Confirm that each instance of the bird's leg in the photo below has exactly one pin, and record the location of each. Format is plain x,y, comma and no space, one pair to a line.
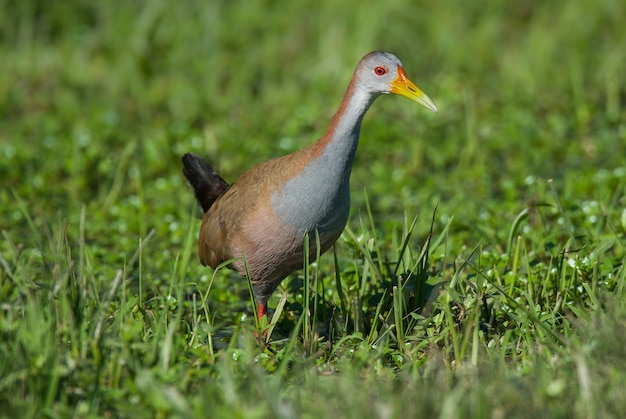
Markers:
261,312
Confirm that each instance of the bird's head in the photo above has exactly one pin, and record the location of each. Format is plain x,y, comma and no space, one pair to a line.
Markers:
382,73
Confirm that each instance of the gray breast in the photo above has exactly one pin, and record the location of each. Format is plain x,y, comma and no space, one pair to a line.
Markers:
317,198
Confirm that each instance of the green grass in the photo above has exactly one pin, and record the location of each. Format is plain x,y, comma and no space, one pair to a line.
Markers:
482,272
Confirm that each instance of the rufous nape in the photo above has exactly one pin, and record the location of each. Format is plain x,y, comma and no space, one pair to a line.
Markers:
265,215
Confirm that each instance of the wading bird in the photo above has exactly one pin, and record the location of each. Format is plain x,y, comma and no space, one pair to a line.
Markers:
264,216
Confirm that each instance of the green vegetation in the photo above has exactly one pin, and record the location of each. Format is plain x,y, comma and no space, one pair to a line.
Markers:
482,273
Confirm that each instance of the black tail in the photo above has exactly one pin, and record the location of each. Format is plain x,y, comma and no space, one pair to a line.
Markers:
207,185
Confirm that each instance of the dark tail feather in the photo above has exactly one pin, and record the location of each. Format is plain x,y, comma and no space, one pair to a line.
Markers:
207,185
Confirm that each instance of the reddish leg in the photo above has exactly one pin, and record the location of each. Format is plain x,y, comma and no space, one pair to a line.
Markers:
261,310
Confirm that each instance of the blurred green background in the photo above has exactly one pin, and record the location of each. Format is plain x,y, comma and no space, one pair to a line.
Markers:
100,99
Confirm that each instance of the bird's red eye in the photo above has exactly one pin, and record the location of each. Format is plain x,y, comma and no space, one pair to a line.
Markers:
380,71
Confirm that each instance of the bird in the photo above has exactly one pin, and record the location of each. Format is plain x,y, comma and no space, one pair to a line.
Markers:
258,223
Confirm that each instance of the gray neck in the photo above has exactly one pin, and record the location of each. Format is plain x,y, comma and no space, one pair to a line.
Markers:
340,150
319,197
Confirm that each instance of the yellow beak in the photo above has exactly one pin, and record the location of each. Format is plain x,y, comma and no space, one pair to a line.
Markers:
405,87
